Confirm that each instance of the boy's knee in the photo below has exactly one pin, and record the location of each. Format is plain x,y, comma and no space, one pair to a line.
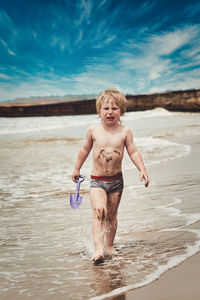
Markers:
100,213
111,216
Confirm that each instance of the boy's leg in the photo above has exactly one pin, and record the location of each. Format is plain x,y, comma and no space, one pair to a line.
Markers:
98,198
111,220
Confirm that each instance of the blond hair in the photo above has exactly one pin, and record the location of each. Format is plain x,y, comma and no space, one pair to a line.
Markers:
114,94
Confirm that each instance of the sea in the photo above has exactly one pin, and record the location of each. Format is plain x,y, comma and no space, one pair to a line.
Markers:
46,246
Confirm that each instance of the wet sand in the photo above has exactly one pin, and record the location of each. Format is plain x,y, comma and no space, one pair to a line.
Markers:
179,283
182,281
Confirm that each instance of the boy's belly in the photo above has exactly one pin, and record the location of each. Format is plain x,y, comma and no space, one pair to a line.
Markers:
107,162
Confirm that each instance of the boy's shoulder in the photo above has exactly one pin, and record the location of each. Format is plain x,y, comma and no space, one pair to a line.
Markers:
94,126
126,129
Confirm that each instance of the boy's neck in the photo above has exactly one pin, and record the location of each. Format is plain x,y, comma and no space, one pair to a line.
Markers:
110,127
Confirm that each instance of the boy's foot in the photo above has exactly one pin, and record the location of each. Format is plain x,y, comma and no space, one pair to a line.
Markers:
111,251
98,258
98,261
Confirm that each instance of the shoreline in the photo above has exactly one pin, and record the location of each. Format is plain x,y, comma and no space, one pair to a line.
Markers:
178,283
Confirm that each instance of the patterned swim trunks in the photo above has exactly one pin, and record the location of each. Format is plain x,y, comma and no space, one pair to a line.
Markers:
110,184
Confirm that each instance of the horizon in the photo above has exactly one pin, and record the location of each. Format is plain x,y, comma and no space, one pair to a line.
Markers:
80,48
85,96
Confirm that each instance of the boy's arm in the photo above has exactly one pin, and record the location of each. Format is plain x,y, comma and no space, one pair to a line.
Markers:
83,154
136,157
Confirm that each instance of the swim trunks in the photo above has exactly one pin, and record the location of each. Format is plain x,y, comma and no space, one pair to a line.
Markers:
110,184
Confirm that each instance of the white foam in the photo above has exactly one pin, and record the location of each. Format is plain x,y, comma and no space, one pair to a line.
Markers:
156,112
175,212
156,150
172,262
35,124
188,131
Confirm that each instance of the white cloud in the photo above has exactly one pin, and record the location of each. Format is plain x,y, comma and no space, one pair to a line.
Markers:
85,8
102,3
34,33
157,69
102,42
148,66
167,43
4,76
33,87
5,20
185,83
95,79
4,43
62,43
150,60
7,23
7,48
11,52
79,38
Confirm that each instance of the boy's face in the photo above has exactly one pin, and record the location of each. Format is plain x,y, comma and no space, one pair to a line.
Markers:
110,112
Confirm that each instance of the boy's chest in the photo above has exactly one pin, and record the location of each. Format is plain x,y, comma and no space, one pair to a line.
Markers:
109,140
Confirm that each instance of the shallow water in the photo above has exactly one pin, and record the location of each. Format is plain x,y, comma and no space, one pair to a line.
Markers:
45,246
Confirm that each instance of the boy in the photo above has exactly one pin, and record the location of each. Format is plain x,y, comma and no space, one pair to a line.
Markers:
108,140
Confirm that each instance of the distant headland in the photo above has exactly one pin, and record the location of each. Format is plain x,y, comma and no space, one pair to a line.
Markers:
185,101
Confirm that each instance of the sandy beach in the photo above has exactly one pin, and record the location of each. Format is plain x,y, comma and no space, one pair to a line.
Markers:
180,283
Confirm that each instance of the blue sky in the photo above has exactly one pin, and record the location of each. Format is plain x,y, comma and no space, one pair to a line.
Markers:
60,47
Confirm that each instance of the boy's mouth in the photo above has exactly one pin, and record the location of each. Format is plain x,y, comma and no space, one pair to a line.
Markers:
110,118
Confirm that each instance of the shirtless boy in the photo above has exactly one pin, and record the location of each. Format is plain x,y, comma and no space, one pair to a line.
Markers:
108,140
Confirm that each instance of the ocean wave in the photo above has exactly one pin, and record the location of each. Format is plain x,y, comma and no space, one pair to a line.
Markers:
40,124
157,150
153,113
176,212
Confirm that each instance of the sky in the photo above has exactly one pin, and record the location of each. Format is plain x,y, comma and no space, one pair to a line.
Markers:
63,47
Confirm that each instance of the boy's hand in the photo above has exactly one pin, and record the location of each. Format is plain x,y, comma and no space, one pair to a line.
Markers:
75,175
143,175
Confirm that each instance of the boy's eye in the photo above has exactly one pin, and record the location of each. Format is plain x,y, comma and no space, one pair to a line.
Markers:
113,108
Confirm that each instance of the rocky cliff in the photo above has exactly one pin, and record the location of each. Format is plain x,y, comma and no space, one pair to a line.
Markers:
48,109
175,101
